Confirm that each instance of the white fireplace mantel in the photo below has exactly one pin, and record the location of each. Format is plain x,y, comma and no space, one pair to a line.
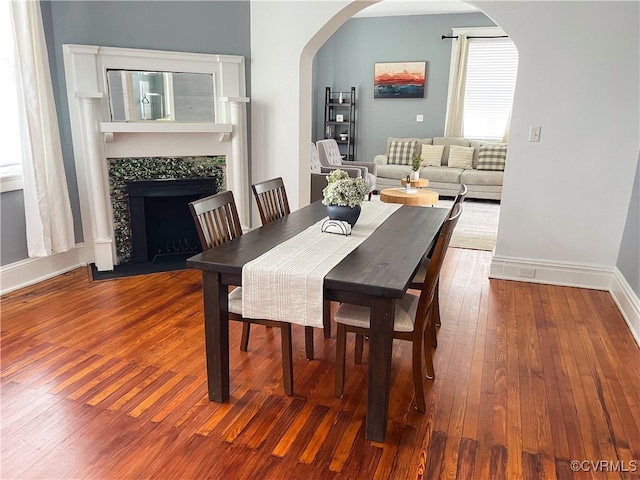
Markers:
96,137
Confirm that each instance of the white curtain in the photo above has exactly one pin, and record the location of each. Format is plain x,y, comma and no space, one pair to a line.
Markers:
46,198
457,84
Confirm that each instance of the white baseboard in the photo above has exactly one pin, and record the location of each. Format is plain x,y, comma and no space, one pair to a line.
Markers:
574,275
628,303
553,273
33,270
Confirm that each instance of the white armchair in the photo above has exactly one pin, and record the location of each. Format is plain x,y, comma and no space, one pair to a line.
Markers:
319,174
330,156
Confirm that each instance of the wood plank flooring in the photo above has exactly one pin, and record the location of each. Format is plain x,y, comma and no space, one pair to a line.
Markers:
107,380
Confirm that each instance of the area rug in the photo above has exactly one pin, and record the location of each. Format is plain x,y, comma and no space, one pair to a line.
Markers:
477,228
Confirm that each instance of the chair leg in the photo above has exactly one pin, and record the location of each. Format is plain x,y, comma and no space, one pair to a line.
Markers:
357,353
341,352
244,340
436,303
417,373
287,358
326,318
427,345
370,195
433,314
308,342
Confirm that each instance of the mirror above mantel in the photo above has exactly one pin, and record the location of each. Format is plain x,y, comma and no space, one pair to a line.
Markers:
143,96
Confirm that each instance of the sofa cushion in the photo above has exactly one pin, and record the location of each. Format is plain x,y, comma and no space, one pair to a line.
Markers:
397,172
441,174
401,152
481,177
447,142
460,157
431,155
492,157
419,143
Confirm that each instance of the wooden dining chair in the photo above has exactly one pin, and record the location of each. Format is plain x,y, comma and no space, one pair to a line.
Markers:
217,222
271,197
413,321
418,279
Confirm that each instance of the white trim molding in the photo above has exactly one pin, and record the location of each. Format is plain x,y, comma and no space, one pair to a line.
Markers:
34,270
573,275
11,178
627,301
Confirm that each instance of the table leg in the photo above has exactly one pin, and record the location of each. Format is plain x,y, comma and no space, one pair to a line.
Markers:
216,335
380,346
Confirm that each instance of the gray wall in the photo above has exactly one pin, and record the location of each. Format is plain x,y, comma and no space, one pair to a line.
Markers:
347,60
13,234
200,27
629,255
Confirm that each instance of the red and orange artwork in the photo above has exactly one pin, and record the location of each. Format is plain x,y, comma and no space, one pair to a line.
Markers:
399,80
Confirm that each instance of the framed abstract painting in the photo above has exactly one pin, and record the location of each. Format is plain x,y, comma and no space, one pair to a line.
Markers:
399,80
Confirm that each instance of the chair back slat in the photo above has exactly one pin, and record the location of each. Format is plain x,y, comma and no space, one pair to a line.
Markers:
428,290
216,219
271,197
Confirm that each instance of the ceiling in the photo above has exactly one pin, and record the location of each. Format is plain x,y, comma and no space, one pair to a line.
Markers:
415,7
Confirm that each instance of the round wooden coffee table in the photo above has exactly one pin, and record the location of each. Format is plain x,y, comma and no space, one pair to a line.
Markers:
419,183
420,198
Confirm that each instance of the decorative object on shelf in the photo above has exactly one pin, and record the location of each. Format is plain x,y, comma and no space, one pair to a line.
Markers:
328,133
415,166
340,100
343,196
344,135
399,80
340,118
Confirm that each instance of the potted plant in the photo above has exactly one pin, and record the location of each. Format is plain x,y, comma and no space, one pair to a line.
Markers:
415,167
343,196
344,135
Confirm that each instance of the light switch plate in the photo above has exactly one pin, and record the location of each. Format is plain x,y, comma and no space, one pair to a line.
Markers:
419,118
534,134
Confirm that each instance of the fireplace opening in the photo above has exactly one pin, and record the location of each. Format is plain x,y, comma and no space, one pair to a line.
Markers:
168,228
163,233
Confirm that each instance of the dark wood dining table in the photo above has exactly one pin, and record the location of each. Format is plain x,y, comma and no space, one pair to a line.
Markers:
376,273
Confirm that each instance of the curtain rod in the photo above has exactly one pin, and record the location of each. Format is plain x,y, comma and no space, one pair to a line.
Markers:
478,36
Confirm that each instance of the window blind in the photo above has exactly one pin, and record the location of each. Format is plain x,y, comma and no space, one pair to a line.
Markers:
492,68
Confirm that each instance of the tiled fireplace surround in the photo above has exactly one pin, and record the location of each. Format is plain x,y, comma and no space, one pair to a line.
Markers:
123,171
96,138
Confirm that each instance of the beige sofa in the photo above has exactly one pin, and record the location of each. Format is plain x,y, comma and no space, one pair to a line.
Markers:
445,180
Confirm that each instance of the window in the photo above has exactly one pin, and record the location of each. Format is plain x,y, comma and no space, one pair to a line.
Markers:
484,64
492,67
11,158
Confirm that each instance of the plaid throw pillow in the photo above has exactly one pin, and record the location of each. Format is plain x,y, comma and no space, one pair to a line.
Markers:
400,153
492,157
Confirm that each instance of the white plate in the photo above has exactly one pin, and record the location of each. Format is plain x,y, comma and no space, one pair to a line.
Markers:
412,190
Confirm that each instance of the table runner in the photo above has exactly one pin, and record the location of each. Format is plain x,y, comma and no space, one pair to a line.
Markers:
286,283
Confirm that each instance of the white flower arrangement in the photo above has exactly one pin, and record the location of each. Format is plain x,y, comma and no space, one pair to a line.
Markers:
343,190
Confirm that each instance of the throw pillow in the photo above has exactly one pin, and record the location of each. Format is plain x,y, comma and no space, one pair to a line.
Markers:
492,157
400,153
460,157
432,155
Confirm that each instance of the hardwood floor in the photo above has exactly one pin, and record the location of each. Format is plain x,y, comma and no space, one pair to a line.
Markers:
107,380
